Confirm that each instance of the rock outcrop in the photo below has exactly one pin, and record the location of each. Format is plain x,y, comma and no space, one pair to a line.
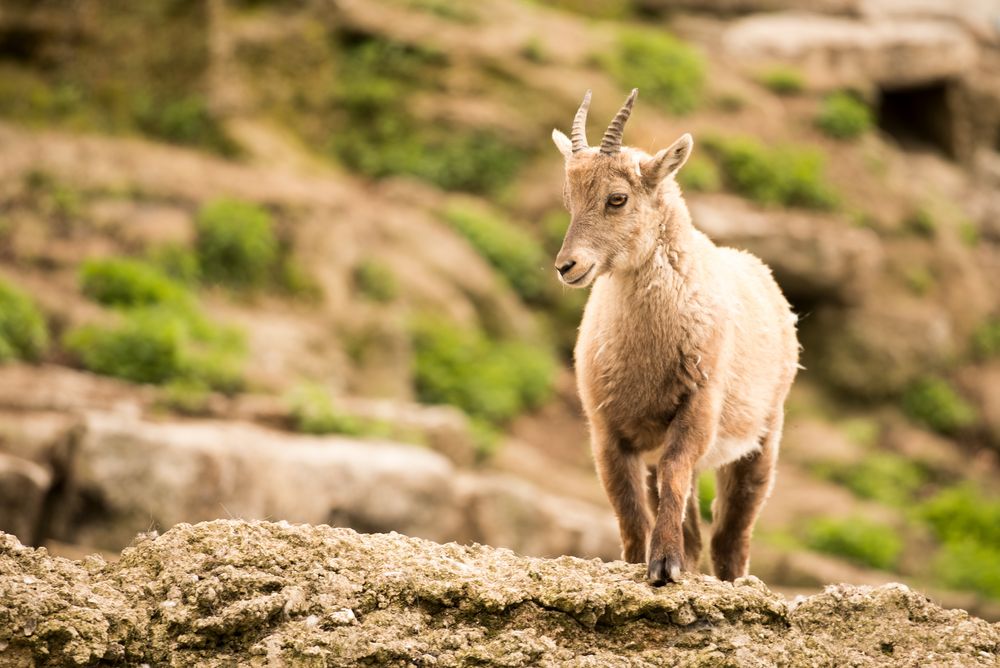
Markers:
256,593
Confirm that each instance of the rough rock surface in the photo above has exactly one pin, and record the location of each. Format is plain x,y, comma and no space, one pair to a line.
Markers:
255,593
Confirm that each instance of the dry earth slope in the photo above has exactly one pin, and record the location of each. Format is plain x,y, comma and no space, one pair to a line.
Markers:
256,593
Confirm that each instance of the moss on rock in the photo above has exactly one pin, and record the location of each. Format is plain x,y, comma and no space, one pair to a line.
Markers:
258,593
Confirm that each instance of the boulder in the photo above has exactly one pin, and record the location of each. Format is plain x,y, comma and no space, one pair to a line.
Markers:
23,488
847,7
505,511
260,594
815,257
132,475
834,52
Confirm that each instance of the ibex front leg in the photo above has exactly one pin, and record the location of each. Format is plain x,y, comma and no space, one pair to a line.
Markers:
623,474
688,437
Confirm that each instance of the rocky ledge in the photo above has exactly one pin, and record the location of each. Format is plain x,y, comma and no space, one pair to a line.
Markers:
256,593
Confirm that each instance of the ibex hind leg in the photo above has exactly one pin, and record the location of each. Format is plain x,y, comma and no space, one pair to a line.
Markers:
692,520
742,487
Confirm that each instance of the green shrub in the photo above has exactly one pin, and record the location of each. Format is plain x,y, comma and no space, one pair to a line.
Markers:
781,175
966,564
533,50
968,525
921,223
186,396
884,477
986,339
313,412
375,281
379,137
963,513
490,380
511,250
446,9
176,261
161,344
919,280
782,80
663,68
185,121
53,197
932,402
968,232
599,9
699,175
236,244
858,539
844,116
127,283
23,331
706,495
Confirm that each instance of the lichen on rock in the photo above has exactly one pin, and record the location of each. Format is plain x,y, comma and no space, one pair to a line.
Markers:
259,593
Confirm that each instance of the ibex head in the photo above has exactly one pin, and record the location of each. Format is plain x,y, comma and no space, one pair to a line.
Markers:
613,194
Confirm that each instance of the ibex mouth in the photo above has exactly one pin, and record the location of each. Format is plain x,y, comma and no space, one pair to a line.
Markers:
579,279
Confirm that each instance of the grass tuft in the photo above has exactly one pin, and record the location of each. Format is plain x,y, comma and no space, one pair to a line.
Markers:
662,67
844,116
786,175
24,334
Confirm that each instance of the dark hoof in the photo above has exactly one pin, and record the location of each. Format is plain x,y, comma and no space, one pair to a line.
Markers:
663,570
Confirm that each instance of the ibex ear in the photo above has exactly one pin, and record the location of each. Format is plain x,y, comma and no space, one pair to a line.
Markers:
563,143
666,162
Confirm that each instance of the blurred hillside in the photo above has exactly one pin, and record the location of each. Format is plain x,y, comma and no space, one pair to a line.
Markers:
224,222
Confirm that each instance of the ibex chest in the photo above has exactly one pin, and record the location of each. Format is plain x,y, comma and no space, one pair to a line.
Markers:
635,370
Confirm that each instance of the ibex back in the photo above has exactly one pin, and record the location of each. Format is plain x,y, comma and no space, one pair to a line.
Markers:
686,349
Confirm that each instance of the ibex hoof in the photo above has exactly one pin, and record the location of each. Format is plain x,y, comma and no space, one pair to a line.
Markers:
663,570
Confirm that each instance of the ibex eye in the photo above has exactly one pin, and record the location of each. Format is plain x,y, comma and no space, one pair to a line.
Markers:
617,199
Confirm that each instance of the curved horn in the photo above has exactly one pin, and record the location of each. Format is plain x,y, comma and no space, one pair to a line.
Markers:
612,142
579,133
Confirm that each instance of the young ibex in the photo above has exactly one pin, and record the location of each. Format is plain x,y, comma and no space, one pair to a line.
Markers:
685,347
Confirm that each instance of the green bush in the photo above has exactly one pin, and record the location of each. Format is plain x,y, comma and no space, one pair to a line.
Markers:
161,344
884,477
600,9
699,175
511,250
533,50
963,513
379,137
706,495
375,281
127,283
932,402
780,175
176,261
236,244
783,80
313,412
986,339
858,539
186,396
23,331
844,116
921,223
185,121
968,525
53,197
663,68
490,380
967,564
919,280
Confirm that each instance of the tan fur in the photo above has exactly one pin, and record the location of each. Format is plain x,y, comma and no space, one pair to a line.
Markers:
686,349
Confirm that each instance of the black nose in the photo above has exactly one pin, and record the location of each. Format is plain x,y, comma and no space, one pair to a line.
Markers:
566,267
